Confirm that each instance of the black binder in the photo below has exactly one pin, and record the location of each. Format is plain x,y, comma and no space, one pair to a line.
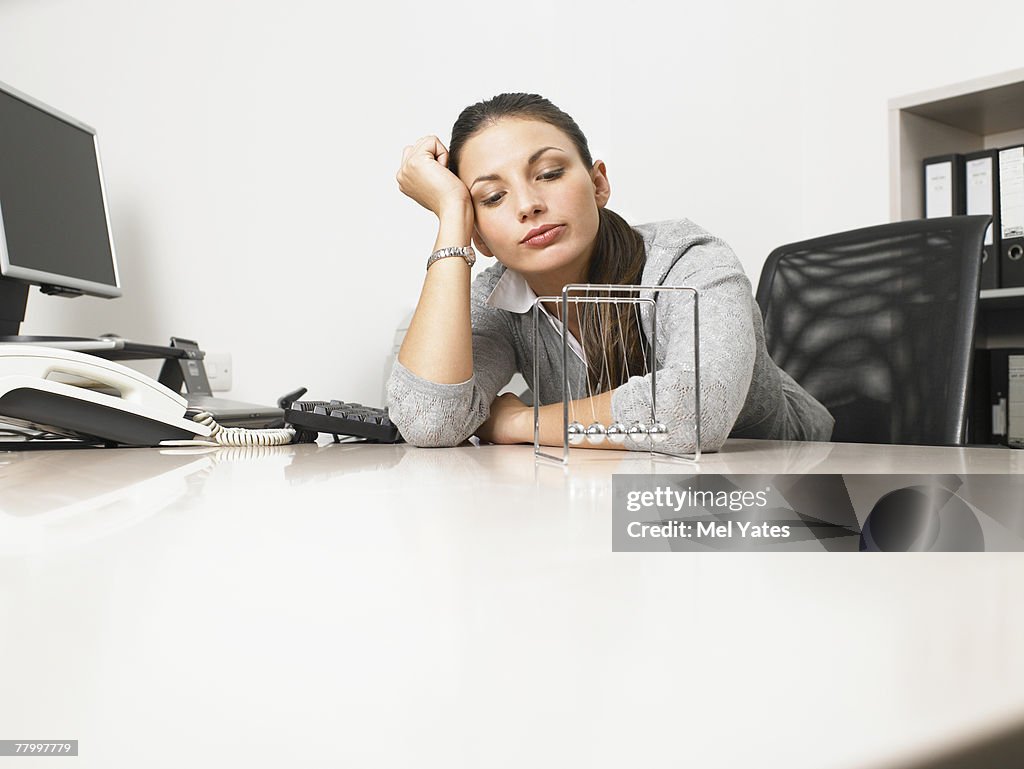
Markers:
943,177
979,419
981,196
1011,215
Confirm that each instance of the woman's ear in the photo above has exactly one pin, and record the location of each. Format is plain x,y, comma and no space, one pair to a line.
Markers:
602,189
481,246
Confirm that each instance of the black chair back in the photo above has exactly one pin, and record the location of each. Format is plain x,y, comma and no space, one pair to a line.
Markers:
878,325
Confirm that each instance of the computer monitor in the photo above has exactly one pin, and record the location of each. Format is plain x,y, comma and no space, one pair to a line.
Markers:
54,223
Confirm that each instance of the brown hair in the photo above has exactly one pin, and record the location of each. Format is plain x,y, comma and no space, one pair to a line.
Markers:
618,257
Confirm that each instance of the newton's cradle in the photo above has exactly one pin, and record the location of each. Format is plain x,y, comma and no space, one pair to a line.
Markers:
650,433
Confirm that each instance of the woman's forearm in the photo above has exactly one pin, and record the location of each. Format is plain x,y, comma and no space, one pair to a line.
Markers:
585,411
439,343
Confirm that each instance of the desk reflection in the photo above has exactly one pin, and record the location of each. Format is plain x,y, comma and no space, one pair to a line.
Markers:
55,500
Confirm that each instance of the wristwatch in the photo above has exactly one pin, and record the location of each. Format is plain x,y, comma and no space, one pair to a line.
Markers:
466,252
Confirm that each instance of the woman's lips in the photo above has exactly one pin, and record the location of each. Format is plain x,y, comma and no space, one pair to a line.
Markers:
546,237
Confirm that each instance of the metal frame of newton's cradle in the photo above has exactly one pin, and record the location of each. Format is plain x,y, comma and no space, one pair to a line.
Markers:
565,299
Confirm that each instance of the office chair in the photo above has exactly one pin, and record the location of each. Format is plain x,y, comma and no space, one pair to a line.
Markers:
878,325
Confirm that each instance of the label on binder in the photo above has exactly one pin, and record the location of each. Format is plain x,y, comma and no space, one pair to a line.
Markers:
1011,191
999,418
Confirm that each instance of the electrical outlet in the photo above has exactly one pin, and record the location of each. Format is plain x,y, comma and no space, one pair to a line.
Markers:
218,371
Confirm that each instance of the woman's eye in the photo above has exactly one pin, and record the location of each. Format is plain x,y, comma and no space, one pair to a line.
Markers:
547,176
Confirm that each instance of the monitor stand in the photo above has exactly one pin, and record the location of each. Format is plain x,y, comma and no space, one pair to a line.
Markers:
183,362
13,300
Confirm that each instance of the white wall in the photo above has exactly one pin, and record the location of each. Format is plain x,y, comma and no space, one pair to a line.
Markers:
250,147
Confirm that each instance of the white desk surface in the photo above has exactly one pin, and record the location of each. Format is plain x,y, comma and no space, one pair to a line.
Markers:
385,606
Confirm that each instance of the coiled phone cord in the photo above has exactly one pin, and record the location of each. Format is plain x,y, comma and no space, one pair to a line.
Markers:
241,436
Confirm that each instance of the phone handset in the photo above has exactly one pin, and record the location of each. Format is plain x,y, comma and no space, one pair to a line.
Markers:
50,363
35,391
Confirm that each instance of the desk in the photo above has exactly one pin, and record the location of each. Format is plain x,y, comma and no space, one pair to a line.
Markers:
342,605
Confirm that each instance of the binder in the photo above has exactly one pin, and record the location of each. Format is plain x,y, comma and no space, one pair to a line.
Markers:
1011,215
996,422
981,193
943,186
979,419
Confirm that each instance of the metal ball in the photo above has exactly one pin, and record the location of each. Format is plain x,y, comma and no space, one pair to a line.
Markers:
577,433
616,432
595,433
658,432
637,433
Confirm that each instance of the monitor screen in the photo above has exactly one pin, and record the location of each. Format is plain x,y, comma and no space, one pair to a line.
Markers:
54,228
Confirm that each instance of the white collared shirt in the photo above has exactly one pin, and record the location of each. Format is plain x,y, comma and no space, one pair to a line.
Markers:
513,293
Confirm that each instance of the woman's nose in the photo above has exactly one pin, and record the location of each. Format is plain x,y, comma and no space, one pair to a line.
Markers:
530,205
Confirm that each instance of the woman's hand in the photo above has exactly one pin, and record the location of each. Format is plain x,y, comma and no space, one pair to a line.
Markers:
424,177
511,421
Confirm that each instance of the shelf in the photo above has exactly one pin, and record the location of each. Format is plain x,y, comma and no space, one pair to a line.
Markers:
978,114
993,298
991,105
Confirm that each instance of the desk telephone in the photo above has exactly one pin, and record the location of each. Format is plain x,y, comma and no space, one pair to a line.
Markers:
68,393
77,395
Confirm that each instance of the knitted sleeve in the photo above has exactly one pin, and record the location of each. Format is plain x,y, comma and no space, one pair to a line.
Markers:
432,414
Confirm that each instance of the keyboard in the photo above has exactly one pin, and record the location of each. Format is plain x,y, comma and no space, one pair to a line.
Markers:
341,418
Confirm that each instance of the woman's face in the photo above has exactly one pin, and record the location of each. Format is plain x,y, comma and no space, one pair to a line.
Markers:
535,202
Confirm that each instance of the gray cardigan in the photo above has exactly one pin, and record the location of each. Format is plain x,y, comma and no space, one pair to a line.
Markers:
742,392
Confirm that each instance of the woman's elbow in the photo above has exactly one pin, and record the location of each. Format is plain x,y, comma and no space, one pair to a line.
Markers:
426,420
429,442
424,432
431,427
426,439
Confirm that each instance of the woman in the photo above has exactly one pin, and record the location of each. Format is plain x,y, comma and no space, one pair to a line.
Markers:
519,182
